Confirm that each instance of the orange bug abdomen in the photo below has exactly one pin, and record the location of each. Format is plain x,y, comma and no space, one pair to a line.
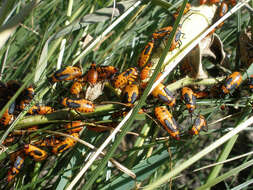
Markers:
36,153
233,81
66,74
164,94
66,144
199,124
79,104
167,121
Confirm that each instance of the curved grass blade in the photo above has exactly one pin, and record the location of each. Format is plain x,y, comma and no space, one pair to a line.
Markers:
200,154
226,175
142,170
10,27
99,16
126,123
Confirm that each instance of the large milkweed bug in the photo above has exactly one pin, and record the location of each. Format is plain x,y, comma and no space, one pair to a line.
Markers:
186,10
28,93
24,103
145,72
66,74
214,1
199,124
232,2
76,87
130,93
92,75
189,98
74,126
124,78
162,32
79,104
167,121
201,94
105,72
176,41
251,83
47,142
146,54
202,2
232,82
66,144
17,166
223,9
10,139
14,155
8,116
36,153
164,94
41,110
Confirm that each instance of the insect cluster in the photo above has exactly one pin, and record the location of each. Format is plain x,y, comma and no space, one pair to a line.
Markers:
131,83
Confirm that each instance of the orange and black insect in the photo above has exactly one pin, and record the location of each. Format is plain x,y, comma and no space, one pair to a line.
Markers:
10,139
74,126
18,164
36,153
145,72
251,83
66,144
146,54
124,78
189,98
47,142
214,1
27,96
223,9
199,124
162,32
79,104
8,116
66,74
176,41
145,75
76,88
24,103
233,81
202,2
167,121
232,2
28,93
164,94
41,110
186,10
201,94
130,93
106,72
92,75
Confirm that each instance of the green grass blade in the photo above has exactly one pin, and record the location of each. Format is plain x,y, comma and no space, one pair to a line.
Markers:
223,156
243,185
6,8
142,170
128,120
200,154
226,175
10,27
